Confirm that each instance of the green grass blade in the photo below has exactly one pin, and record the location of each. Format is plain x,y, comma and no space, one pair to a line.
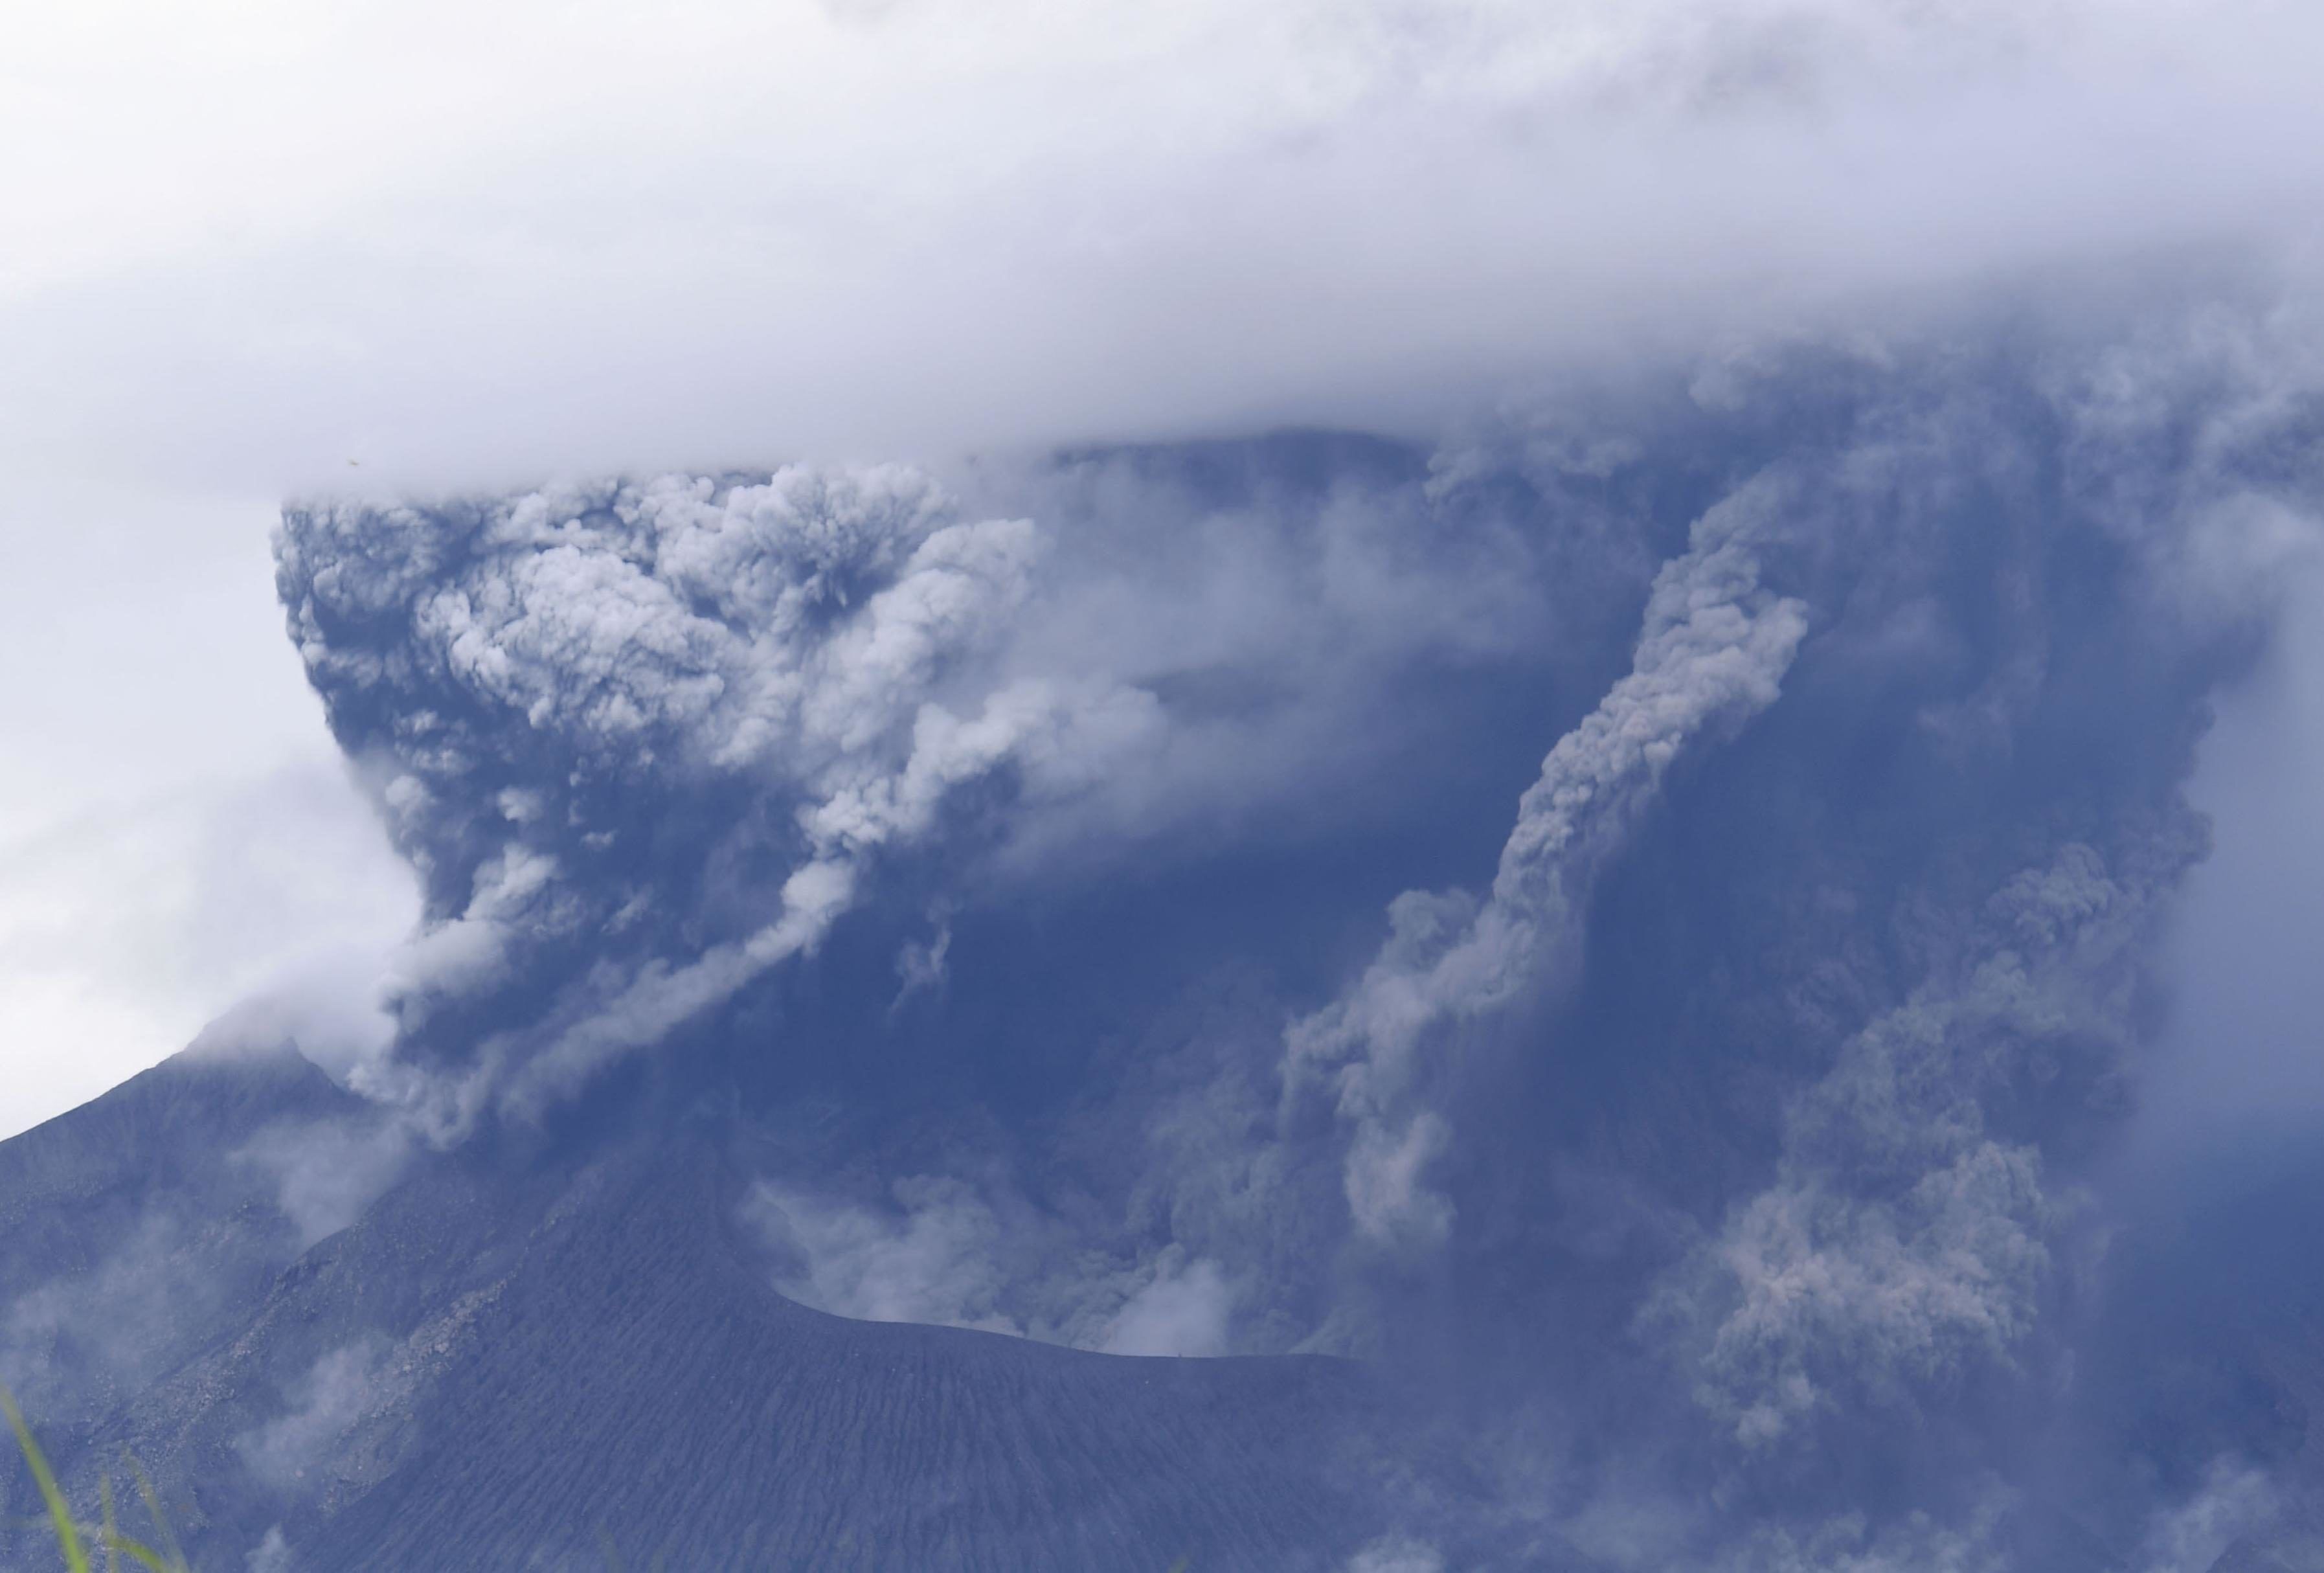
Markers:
146,1555
175,1559
59,1510
111,1539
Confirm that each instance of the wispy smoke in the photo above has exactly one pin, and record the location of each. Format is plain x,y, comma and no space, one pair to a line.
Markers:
1712,653
325,1404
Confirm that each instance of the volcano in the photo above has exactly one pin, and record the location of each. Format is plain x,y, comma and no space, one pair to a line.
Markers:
1315,1002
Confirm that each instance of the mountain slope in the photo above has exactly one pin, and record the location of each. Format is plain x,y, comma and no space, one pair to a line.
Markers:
139,1228
508,1356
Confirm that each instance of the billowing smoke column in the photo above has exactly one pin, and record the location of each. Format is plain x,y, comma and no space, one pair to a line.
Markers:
1716,1159
644,740
688,708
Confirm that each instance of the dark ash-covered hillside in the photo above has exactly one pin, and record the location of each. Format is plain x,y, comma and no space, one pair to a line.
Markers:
508,1362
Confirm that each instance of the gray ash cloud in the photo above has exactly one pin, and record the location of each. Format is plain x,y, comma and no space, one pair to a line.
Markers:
1640,913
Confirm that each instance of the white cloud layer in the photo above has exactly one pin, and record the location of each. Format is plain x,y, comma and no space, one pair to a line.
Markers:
465,251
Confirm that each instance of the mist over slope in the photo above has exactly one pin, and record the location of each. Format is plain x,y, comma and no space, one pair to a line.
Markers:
512,1358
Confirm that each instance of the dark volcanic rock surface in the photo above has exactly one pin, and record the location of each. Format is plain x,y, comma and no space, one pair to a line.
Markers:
512,1360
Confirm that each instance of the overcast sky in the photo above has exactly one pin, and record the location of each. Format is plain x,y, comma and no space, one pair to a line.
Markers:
260,249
